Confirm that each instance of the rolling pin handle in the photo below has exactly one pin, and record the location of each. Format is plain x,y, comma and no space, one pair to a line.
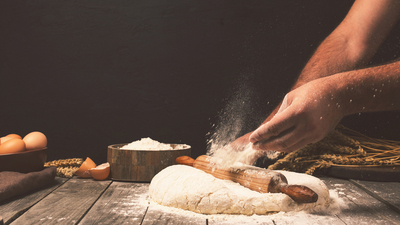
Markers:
299,193
185,160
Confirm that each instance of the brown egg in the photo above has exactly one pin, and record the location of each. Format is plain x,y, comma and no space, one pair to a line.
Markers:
12,146
35,140
5,138
83,170
14,136
101,172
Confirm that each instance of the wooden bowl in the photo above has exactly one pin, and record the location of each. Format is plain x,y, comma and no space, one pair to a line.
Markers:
23,162
141,165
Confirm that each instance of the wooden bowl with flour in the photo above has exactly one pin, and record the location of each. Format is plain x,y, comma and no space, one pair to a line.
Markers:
135,164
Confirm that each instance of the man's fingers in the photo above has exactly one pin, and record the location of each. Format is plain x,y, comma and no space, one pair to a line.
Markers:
288,141
297,146
285,140
280,123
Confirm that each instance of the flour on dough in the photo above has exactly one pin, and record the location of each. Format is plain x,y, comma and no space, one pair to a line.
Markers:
191,189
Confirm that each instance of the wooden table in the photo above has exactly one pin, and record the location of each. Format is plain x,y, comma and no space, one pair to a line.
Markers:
86,201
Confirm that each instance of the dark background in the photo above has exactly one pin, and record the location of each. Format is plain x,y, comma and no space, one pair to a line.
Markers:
89,74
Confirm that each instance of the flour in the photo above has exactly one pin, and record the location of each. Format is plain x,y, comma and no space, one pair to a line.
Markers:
288,217
150,144
237,118
226,156
282,217
191,189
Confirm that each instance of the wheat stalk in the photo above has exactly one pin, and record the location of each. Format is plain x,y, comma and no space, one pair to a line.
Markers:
341,147
65,167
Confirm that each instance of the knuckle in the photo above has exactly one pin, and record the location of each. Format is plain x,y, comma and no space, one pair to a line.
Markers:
273,130
259,147
281,144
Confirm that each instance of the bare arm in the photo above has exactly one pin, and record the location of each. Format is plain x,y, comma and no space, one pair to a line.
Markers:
310,111
325,92
354,42
348,48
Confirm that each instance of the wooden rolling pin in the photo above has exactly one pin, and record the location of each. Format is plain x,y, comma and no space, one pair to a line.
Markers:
254,178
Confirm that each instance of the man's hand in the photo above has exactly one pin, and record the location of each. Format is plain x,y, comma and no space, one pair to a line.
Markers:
306,115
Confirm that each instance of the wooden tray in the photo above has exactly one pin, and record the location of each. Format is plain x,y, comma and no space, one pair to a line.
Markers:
23,162
368,173
140,165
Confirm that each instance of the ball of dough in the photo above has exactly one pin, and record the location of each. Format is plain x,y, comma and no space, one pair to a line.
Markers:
191,189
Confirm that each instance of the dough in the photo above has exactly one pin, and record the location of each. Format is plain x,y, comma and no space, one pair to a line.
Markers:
191,189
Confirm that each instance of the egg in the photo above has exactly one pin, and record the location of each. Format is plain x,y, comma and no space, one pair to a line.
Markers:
101,172
12,146
9,137
35,140
14,136
83,170
5,138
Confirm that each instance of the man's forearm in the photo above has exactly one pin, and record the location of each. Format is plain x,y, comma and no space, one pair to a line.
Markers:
329,61
331,57
366,90
354,42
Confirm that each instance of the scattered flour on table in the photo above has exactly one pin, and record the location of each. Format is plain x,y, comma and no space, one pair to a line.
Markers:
150,144
287,217
191,189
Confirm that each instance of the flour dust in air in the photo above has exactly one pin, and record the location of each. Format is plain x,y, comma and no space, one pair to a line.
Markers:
237,116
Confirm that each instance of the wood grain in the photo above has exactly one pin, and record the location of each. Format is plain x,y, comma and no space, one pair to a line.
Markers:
66,205
15,207
121,203
155,215
361,208
368,173
86,201
137,165
386,192
306,219
256,179
23,162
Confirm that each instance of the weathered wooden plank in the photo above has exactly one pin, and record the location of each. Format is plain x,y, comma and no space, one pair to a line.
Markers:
121,203
239,219
141,165
281,218
65,205
387,192
159,215
306,219
360,207
11,209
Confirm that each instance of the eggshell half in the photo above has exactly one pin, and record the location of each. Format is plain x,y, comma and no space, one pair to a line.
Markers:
83,170
101,172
